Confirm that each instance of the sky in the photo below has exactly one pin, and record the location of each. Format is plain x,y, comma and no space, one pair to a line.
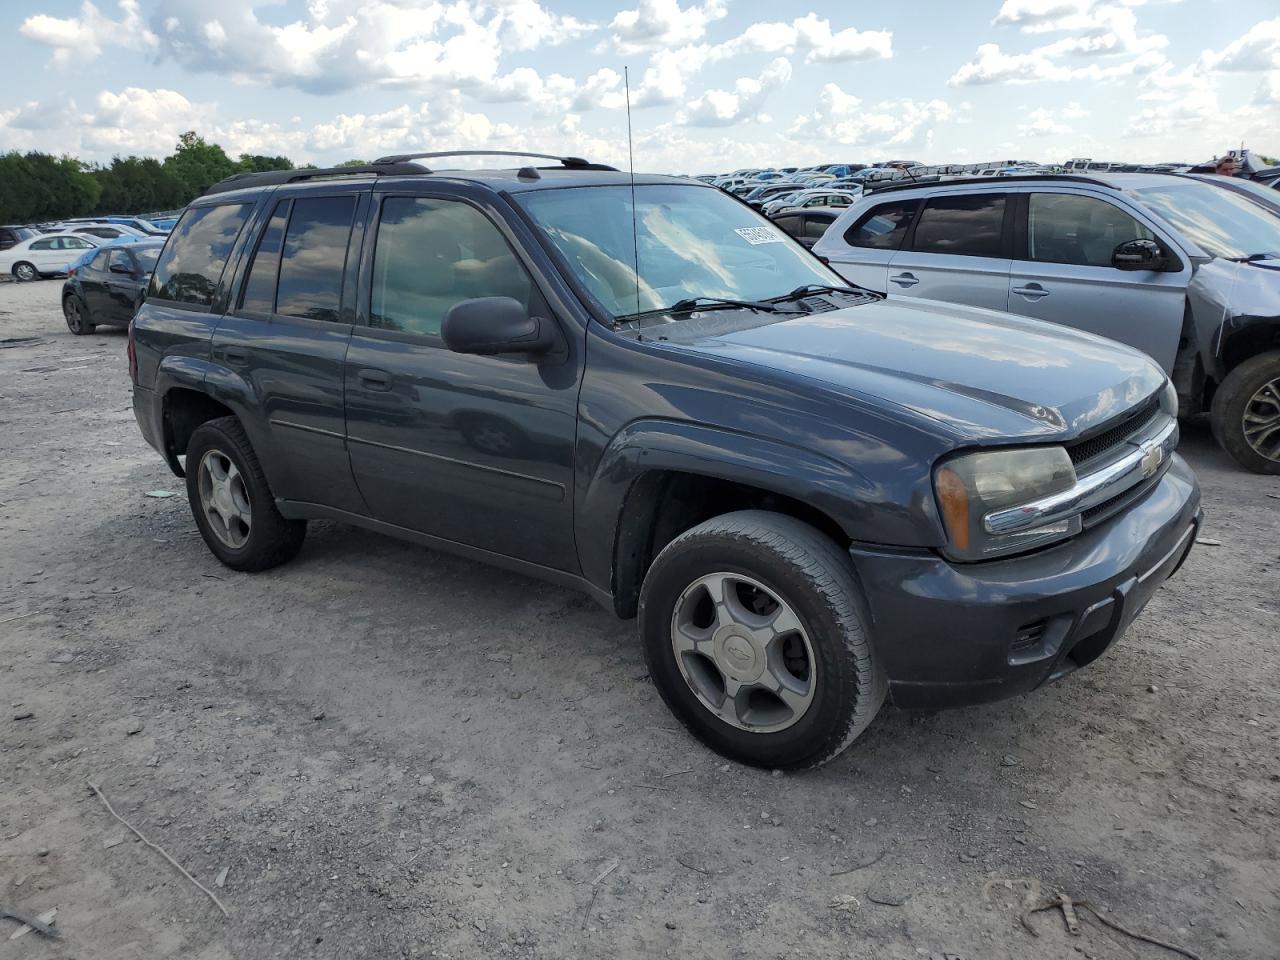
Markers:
714,85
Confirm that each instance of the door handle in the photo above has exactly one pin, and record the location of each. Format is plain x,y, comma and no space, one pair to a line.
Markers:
235,356
905,280
374,379
1032,291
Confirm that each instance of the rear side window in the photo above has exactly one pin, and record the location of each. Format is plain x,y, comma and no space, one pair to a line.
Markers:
883,226
431,254
968,226
259,295
99,261
196,254
314,255
42,245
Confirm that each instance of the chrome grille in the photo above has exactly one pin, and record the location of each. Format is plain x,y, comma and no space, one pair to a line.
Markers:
1104,441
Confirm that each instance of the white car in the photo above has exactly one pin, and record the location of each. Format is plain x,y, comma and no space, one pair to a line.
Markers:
818,197
45,255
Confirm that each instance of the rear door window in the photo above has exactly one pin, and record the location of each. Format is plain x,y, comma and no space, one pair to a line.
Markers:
968,226
197,253
789,224
883,226
815,225
259,293
313,258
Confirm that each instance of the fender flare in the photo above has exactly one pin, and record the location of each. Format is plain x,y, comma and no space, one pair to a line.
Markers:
648,446
199,376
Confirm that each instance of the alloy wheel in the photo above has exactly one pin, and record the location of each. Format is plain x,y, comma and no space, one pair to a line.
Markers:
24,271
224,499
744,652
1261,420
71,309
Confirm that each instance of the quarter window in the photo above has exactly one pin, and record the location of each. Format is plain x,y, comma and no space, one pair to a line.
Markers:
882,227
1070,228
315,252
970,226
431,254
196,254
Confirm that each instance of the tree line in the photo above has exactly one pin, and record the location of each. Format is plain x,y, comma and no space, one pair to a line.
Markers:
36,187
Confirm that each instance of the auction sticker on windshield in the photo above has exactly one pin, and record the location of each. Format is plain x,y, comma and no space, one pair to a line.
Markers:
758,235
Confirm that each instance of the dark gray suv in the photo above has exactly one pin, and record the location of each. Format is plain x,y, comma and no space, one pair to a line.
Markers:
811,497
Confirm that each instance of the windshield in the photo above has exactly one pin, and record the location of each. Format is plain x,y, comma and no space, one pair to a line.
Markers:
690,242
1222,223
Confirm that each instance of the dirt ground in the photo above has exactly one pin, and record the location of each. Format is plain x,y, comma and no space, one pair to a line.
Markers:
394,753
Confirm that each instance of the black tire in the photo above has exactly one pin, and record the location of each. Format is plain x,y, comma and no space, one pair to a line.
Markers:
1243,392
270,539
77,316
812,575
25,272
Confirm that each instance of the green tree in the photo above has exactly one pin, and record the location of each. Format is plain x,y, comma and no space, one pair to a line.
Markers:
256,163
134,185
38,186
198,165
353,163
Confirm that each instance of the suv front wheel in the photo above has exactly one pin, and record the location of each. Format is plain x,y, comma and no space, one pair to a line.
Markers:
1246,413
753,631
231,502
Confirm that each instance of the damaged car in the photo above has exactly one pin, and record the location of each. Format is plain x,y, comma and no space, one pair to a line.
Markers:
1180,268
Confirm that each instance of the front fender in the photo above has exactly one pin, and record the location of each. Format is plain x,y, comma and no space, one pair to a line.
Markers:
650,445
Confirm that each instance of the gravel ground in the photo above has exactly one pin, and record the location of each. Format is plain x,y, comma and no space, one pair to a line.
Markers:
394,753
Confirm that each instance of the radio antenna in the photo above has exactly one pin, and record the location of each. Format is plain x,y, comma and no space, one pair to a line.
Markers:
631,164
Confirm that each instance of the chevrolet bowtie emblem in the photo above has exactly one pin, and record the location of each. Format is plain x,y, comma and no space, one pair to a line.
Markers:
1152,457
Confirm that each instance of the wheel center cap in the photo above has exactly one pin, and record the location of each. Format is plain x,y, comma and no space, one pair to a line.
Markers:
738,657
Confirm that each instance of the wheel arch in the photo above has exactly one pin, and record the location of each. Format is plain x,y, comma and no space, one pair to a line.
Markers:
658,479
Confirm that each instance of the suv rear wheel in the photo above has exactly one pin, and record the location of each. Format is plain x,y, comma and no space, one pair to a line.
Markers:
753,630
1246,413
232,503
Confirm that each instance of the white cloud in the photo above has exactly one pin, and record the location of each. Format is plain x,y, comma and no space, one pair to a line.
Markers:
812,35
1032,13
348,44
1258,49
659,24
722,108
841,120
83,37
991,65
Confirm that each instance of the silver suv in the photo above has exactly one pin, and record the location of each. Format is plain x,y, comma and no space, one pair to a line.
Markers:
1181,268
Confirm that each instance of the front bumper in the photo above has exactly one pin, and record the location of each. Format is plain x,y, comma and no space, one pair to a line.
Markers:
955,634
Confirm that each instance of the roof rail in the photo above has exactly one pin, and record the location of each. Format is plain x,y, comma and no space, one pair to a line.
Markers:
968,181
240,181
575,163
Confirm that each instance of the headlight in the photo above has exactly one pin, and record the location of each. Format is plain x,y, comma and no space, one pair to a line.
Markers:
973,485
1169,398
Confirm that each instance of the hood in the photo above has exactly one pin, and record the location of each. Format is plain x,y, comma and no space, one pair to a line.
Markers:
983,376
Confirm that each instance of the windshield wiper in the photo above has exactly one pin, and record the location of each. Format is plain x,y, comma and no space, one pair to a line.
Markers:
1255,257
809,289
702,304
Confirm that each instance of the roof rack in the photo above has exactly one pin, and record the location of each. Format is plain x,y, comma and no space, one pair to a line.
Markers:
239,181
968,181
399,165
574,163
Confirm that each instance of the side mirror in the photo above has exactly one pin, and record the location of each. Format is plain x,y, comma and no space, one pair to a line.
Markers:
1138,255
492,325
121,268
